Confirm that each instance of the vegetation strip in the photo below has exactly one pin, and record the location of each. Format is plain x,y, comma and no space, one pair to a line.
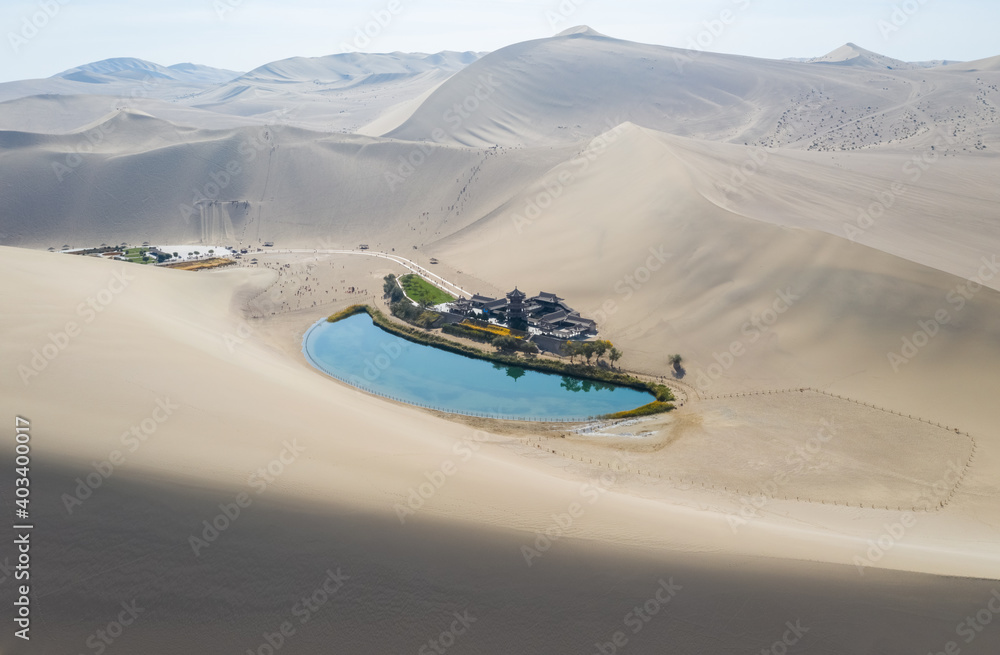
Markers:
662,393
423,292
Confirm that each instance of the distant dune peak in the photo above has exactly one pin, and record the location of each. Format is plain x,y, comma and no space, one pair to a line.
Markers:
117,64
848,51
851,54
581,30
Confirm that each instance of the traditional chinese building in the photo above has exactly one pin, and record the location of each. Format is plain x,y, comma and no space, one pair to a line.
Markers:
546,313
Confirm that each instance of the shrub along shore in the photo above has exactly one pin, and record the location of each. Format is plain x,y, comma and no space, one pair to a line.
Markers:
662,393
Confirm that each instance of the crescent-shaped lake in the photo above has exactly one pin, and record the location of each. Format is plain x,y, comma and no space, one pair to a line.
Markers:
358,352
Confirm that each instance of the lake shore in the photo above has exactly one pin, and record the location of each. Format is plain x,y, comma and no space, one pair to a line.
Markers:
451,381
661,392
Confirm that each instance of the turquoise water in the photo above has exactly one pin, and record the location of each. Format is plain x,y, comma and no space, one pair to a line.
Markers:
358,352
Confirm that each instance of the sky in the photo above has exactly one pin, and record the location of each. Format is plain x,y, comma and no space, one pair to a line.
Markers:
45,37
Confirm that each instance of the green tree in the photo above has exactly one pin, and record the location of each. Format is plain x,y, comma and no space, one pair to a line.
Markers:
576,349
570,349
391,290
405,310
601,347
388,284
614,355
506,344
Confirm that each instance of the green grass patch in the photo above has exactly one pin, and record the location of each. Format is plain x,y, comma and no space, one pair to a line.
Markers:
422,291
137,255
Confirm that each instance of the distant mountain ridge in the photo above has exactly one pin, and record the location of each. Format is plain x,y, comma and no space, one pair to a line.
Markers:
326,68
133,68
333,93
355,63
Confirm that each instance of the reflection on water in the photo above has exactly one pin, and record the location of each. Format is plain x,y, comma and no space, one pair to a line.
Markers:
358,352
576,385
512,371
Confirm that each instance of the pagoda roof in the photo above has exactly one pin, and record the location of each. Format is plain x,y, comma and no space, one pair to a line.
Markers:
554,317
545,296
496,304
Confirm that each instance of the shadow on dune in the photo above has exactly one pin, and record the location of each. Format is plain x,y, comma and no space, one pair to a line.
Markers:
428,580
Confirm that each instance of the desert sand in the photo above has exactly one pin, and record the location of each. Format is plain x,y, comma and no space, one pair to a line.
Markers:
716,234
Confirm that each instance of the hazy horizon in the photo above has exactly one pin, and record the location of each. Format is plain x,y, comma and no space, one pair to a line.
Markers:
241,35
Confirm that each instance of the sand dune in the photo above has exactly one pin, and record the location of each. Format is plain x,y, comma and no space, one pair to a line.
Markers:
853,55
357,65
132,69
581,84
183,327
700,274
273,183
338,93
818,240
405,585
63,114
989,64
927,207
237,399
